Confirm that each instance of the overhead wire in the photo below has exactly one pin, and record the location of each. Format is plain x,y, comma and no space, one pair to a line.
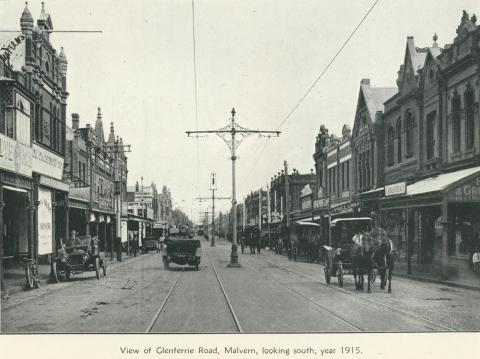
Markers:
195,91
325,69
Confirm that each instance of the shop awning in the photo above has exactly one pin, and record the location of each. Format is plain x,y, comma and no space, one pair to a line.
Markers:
10,188
307,223
440,182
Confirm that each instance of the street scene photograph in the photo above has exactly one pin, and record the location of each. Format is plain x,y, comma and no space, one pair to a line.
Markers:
239,167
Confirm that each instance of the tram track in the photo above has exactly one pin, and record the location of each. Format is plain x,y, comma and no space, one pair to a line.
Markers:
230,307
163,305
376,302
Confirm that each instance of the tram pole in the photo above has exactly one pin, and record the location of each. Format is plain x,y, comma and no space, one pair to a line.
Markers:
233,129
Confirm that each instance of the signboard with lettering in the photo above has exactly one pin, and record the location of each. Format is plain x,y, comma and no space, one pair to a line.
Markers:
44,221
46,162
15,157
396,189
468,192
12,51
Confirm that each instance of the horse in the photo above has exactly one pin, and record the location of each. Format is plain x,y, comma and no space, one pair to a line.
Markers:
377,254
384,258
361,251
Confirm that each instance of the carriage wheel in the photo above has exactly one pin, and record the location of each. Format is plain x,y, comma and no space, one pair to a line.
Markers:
340,276
327,275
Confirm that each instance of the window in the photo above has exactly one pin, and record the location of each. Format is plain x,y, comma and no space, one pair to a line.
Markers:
430,140
469,120
456,105
390,148
409,125
9,123
343,176
399,141
348,175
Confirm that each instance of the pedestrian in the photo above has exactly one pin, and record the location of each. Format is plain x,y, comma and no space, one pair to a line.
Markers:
476,260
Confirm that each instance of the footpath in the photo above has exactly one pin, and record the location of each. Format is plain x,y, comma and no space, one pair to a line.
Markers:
17,293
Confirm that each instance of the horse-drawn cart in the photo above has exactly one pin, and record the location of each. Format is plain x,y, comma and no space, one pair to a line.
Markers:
340,257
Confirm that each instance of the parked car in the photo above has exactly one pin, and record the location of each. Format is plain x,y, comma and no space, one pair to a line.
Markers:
76,256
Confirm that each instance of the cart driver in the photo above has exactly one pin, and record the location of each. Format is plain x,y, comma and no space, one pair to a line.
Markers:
357,238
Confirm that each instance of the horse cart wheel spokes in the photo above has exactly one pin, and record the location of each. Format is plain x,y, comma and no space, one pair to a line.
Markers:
55,278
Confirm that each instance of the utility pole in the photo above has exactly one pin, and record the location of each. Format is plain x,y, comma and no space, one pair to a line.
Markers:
213,198
118,147
232,130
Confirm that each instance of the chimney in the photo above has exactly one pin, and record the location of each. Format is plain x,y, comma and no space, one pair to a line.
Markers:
365,82
137,187
75,121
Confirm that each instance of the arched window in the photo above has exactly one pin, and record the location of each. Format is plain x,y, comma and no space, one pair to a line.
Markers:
469,121
390,147
409,126
399,141
456,106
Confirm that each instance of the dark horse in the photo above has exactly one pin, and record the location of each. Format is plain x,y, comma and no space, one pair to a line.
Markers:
374,253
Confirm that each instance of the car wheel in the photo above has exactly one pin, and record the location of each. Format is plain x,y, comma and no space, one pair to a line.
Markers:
97,267
54,272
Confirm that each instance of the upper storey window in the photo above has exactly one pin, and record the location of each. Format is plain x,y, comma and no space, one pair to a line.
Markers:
409,128
456,107
469,119
390,147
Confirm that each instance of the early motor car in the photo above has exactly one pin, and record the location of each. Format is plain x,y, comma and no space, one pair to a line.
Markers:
150,243
183,251
78,255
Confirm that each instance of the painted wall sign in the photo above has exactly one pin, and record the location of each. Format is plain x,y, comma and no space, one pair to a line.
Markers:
395,189
15,157
47,163
467,192
11,51
44,221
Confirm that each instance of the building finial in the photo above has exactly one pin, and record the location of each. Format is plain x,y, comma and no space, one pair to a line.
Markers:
99,113
111,127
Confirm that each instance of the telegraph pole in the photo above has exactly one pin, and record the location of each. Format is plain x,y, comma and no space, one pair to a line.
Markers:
228,135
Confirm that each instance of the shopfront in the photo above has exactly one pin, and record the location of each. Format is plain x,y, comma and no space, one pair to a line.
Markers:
17,209
435,224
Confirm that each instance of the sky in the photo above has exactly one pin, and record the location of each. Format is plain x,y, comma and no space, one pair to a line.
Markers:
259,56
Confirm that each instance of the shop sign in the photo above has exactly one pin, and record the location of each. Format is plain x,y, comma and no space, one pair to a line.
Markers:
395,189
347,207
53,183
467,192
15,157
44,221
47,163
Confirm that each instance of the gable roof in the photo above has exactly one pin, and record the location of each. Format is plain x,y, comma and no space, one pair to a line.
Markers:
375,97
